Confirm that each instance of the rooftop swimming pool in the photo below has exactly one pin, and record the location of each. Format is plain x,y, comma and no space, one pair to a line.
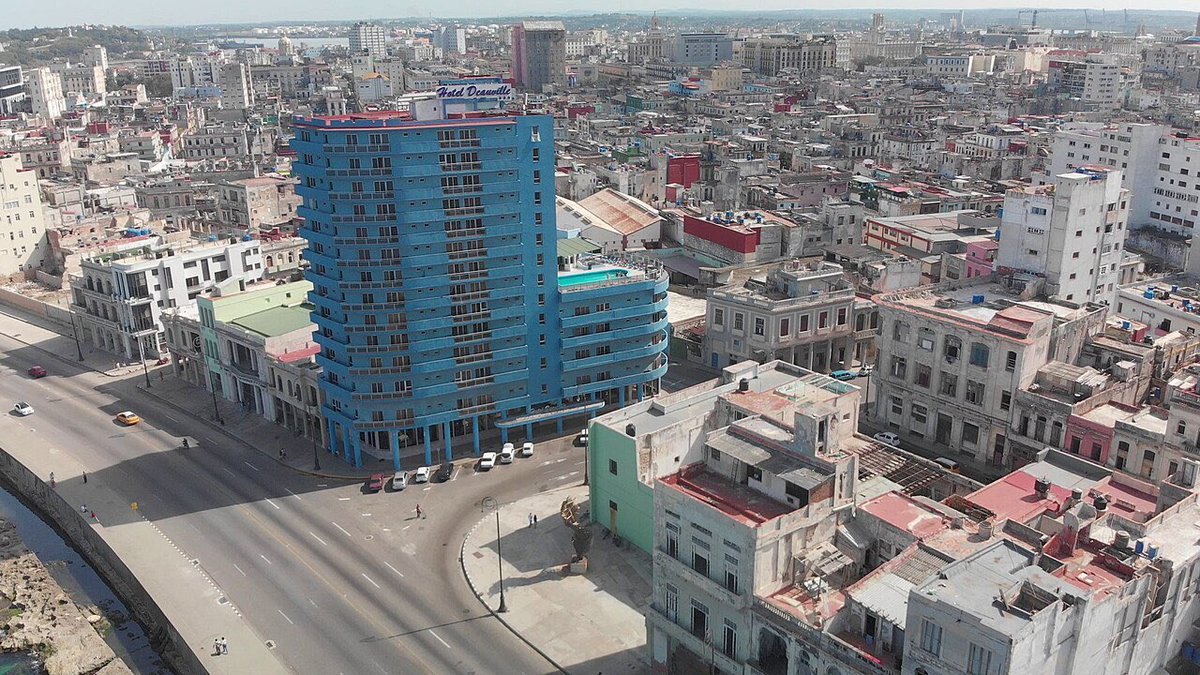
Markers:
591,277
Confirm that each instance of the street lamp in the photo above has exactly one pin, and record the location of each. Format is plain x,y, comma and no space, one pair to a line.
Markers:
492,504
212,389
75,333
142,356
314,429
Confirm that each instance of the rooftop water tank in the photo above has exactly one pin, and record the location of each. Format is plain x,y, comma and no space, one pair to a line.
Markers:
1125,325
977,299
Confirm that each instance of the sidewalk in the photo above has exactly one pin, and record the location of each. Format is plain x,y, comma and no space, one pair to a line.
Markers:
58,344
179,586
587,623
244,426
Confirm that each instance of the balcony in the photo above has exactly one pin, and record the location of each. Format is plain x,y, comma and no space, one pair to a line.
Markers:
854,659
687,637
662,560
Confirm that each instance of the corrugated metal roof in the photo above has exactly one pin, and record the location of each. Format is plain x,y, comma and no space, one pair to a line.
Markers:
568,248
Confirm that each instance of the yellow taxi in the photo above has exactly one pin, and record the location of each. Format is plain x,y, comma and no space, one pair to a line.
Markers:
128,418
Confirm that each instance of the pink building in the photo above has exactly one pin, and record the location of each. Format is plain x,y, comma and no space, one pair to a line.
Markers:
1090,434
980,256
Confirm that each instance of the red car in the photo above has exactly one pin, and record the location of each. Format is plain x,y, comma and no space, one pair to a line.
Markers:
375,484
36,372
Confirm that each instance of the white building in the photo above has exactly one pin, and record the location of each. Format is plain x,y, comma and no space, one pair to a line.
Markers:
451,39
81,78
1089,80
960,65
237,88
96,55
120,297
26,247
44,87
196,76
1070,232
368,37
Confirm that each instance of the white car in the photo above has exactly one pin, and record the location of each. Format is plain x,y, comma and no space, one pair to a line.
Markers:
527,450
507,454
582,438
23,409
487,460
887,437
421,475
399,481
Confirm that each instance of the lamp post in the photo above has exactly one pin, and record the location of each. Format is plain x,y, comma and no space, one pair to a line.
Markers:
142,356
212,389
75,333
315,429
492,504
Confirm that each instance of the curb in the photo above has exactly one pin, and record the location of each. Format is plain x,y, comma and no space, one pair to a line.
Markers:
234,437
462,561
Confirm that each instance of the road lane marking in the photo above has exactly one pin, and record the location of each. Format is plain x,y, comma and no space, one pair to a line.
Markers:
389,565
373,582
266,558
251,466
293,494
238,569
172,419
310,601
343,499
405,528
381,668
226,470
268,500
342,529
285,616
314,536
439,639
573,473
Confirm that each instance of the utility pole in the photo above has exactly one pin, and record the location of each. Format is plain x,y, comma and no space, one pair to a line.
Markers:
212,389
142,355
315,429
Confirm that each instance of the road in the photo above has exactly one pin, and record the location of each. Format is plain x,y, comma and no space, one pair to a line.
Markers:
340,581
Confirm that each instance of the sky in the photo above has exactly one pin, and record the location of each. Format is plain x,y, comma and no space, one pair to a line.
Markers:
28,13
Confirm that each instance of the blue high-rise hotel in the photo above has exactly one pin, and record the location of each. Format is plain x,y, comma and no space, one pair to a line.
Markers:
440,305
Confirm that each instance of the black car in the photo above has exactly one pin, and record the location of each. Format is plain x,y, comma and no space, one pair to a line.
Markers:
445,471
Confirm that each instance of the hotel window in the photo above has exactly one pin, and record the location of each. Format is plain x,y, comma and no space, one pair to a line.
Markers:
823,320
785,327
760,326
804,319
718,317
739,321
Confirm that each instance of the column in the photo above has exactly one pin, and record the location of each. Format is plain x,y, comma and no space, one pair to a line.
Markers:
396,448
336,439
428,447
356,446
621,396
475,432
446,433
529,431
558,424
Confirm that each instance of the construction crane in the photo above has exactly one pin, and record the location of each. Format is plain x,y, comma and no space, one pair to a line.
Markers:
1032,24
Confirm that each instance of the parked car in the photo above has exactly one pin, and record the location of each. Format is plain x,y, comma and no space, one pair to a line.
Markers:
375,482
887,437
866,370
445,472
37,372
421,475
23,409
128,418
527,450
949,464
843,375
487,460
507,453
399,481
582,438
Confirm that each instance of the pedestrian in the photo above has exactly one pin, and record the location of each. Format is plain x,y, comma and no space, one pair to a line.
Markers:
217,647
224,645
535,520
420,513
160,376
531,520
83,508
84,476
94,517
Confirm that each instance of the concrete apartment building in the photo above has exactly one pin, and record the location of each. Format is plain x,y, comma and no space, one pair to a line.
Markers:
24,245
539,54
119,297
1098,83
80,78
237,86
256,204
1157,164
12,89
233,140
47,156
703,49
370,38
1069,231
802,313
44,87
952,356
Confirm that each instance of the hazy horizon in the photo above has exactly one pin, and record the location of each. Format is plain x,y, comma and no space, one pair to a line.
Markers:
150,13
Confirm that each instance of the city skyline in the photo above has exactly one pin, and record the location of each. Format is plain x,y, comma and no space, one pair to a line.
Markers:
146,13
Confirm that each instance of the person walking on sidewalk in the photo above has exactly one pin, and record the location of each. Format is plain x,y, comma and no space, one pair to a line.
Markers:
531,520
85,476
216,646
224,645
535,521
420,513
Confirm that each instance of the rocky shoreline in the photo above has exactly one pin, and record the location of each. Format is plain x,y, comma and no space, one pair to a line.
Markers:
38,616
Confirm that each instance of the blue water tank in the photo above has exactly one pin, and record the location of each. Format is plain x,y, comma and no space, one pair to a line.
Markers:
1151,551
1125,325
1149,295
1139,546
1174,288
976,299
1189,651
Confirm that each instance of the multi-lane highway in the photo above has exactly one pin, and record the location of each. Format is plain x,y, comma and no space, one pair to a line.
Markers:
339,580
